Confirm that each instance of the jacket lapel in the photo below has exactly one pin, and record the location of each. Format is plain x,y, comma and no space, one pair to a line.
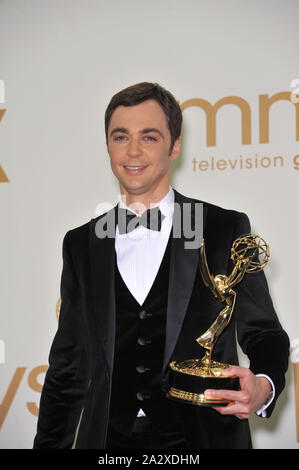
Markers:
102,260
183,269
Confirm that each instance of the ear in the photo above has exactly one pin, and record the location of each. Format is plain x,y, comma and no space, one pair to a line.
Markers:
175,149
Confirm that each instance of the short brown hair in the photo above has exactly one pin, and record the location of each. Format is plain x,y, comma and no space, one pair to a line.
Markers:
140,92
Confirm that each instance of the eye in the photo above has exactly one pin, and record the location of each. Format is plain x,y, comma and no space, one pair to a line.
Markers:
119,138
150,138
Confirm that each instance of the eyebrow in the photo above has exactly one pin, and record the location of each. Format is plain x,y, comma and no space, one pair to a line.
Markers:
119,129
143,131
152,129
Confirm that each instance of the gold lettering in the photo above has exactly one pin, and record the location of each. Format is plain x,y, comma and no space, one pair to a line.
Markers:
203,165
264,105
267,160
241,161
294,96
36,386
211,111
221,164
3,176
10,394
296,162
2,111
248,162
278,158
233,164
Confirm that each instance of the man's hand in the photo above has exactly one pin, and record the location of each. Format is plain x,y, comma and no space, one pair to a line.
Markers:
253,394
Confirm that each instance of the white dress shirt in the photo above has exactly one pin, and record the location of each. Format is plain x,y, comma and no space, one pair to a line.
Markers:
140,252
139,255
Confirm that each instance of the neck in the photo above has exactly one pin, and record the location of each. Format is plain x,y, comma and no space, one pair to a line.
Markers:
141,202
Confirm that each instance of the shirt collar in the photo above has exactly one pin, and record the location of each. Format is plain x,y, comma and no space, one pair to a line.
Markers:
166,204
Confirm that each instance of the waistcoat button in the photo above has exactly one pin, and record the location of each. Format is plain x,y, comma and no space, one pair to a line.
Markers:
142,395
143,341
141,369
143,315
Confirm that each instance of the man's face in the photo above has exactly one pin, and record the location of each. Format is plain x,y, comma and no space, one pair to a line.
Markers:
139,148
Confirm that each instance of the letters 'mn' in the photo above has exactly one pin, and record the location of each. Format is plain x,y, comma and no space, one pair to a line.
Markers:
265,102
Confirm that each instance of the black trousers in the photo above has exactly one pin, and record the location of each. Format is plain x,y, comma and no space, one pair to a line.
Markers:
145,435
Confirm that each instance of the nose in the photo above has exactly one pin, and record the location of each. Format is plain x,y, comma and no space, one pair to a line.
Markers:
134,148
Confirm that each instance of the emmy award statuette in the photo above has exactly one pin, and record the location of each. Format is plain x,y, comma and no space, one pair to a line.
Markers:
188,379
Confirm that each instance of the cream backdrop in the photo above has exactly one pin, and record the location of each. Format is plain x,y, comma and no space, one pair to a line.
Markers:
60,62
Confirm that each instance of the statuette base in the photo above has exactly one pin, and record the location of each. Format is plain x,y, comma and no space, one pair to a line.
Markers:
189,379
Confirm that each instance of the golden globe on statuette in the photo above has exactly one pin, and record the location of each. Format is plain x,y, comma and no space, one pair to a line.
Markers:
188,379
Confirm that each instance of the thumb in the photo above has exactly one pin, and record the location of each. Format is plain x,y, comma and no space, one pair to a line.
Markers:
233,371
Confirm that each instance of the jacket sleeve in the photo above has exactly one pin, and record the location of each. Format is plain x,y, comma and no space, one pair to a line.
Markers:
259,331
66,380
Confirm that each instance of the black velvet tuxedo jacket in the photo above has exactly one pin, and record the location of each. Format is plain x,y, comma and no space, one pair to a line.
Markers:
75,400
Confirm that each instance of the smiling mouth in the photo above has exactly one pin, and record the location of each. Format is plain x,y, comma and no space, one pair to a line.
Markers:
135,169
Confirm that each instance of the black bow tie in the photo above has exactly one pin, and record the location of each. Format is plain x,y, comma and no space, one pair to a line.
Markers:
128,221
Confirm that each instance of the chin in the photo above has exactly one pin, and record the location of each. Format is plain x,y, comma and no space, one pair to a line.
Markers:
133,186
135,190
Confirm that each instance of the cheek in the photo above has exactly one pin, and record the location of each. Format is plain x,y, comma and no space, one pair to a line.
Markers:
163,163
114,166
160,159
115,158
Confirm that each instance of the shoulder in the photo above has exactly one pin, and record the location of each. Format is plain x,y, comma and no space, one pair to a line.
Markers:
78,238
77,235
214,214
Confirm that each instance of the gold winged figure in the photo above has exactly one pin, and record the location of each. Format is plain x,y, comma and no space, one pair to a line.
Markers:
250,253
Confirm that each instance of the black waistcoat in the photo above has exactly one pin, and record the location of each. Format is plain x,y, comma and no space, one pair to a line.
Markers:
139,351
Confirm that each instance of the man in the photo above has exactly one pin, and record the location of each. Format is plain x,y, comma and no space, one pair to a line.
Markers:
134,300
